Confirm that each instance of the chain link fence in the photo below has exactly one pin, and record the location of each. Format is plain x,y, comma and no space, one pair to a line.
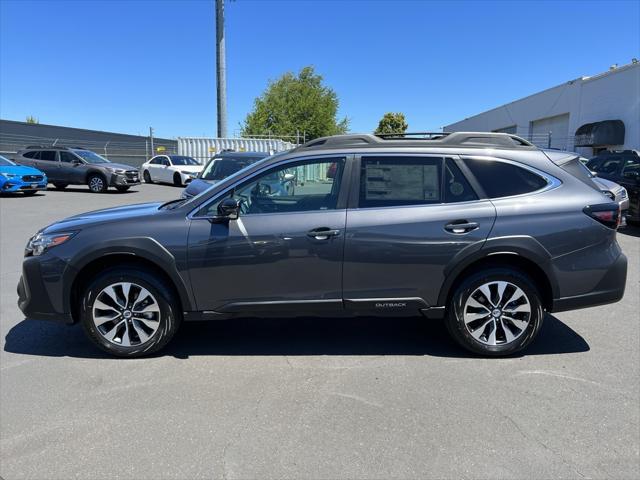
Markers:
130,153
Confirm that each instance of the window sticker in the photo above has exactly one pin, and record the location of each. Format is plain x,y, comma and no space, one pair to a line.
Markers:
402,182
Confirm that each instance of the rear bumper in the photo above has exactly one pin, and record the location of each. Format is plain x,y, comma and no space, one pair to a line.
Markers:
610,289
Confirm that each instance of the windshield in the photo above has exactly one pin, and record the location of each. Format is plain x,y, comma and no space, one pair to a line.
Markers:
90,157
221,168
176,160
5,162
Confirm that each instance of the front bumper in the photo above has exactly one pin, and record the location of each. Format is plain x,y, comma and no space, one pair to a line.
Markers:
610,289
187,177
124,180
40,289
11,186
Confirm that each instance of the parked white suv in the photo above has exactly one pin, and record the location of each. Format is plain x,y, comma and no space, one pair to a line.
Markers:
175,169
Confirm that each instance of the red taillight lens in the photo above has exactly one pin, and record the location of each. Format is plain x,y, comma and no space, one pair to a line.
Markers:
607,214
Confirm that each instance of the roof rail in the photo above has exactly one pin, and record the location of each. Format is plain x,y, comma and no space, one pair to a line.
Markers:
413,135
420,139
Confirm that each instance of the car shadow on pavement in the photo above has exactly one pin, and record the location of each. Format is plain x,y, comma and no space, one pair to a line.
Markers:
291,337
630,230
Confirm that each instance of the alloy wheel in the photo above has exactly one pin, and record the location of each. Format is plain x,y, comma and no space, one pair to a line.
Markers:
96,184
497,313
126,314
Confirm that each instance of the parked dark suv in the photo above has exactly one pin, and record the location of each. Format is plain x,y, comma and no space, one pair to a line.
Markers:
78,166
220,167
484,230
622,167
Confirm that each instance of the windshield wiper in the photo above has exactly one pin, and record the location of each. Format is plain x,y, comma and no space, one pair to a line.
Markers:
171,204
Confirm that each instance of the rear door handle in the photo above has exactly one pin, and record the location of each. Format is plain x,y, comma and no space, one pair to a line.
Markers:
322,233
461,226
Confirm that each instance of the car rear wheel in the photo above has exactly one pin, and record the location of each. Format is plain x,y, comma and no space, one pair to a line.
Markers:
61,186
97,183
495,312
129,312
177,180
147,177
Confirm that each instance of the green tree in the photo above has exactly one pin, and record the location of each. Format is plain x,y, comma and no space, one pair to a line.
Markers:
32,119
392,123
295,104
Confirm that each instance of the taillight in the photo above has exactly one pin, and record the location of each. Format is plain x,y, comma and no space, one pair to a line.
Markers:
607,214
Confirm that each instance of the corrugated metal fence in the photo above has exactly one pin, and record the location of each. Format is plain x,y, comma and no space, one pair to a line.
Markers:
203,148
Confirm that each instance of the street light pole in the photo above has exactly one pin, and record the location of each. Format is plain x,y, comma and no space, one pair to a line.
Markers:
221,71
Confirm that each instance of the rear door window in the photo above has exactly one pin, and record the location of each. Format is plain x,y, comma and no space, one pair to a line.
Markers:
398,181
503,179
49,155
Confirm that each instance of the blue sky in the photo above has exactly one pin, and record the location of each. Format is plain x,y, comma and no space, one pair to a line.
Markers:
124,66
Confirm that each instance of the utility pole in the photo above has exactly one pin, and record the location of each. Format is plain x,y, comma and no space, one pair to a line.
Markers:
221,71
151,140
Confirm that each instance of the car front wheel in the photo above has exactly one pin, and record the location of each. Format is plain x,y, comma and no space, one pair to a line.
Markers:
129,312
97,183
147,177
177,179
495,312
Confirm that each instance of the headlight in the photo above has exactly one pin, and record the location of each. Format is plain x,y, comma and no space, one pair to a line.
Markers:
623,193
187,173
41,242
9,175
120,171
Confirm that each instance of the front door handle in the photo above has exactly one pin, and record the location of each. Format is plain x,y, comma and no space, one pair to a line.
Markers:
323,233
461,226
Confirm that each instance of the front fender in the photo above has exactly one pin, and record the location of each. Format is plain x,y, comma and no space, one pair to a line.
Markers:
145,248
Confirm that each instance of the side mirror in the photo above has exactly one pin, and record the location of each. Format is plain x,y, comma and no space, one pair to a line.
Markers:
76,161
288,177
228,209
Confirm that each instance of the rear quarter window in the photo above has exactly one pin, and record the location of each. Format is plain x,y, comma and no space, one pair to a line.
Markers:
502,179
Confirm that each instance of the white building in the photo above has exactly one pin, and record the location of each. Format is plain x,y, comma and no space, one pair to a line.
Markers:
586,115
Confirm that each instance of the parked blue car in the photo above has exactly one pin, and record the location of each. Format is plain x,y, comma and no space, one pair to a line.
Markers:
18,178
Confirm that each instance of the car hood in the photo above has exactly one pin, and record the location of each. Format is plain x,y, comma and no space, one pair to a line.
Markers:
20,170
116,166
198,186
189,168
128,212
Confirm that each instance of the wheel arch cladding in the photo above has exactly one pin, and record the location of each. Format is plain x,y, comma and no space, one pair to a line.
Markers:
524,254
143,253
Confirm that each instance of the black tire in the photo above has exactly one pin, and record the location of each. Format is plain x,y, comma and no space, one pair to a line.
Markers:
97,183
29,193
177,180
455,312
122,188
61,186
147,177
169,317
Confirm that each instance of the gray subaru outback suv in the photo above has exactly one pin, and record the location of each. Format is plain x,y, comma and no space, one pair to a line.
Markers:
485,231
66,166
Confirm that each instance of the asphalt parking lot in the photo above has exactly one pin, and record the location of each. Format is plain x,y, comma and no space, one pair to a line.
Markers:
312,398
